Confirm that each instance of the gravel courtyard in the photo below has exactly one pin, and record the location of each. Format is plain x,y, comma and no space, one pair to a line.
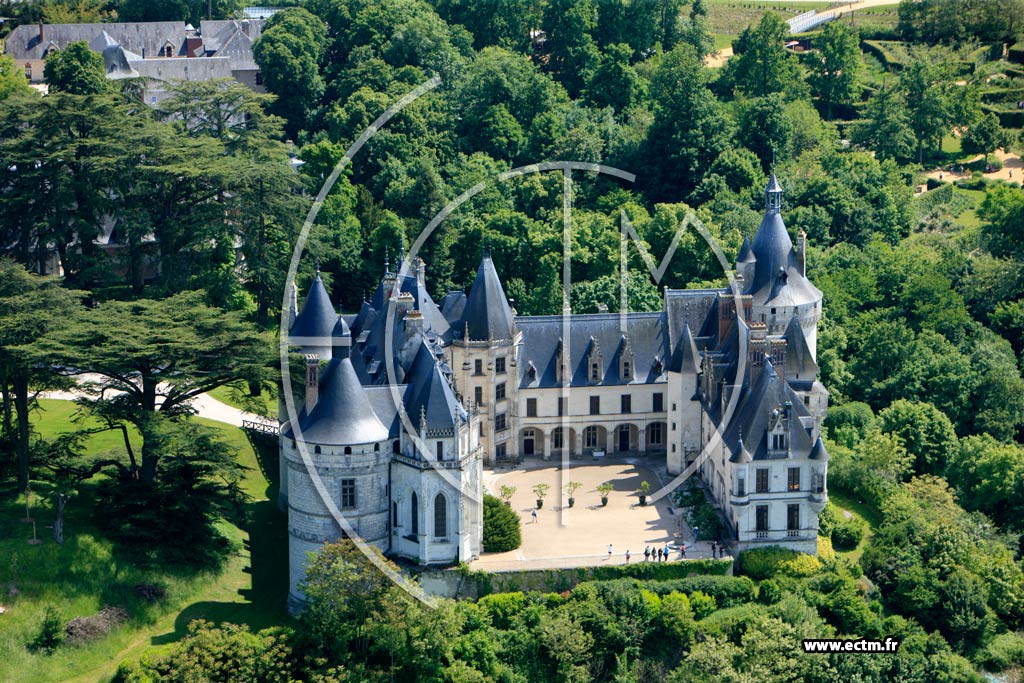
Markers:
579,536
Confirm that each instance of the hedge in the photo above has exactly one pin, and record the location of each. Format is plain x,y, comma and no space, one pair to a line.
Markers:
764,563
1008,118
661,571
848,533
728,591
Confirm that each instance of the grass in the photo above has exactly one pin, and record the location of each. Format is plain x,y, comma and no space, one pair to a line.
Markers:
856,509
89,572
730,17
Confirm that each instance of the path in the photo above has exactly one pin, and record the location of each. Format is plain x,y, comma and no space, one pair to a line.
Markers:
1012,170
205,406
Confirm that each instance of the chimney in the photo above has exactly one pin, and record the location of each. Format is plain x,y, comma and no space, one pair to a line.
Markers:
312,380
777,352
801,243
726,313
757,347
42,33
421,274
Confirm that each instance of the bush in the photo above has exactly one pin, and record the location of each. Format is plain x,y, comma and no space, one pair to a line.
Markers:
1005,651
769,592
827,520
727,591
848,533
764,563
661,571
51,632
501,527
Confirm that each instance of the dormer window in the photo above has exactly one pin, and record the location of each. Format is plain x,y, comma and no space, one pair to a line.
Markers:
625,359
168,49
627,372
594,362
778,442
51,48
595,372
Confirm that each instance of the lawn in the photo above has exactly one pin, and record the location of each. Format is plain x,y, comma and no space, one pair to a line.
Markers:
237,397
730,17
88,572
855,509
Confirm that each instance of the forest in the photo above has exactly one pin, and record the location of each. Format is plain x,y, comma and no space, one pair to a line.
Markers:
895,136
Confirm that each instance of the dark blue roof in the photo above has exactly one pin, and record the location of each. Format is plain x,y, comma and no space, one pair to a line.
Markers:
318,317
342,415
487,315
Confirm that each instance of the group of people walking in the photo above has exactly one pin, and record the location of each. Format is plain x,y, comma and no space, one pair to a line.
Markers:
661,553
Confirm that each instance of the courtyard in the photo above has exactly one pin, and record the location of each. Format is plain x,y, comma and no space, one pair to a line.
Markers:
579,536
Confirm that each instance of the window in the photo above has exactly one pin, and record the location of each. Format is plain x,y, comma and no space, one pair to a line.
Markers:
561,407
741,487
376,448
793,483
499,392
659,403
595,405
259,78
807,400
761,485
531,407
778,442
414,513
595,372
500,451
500,422
478,367
348,450
626,370
348,493
478,395
317,450
396,446
793,516
168,51
656,434
440,450
761,518
773,311
440,517
627,403
590,437
394,515
819,483
556,438
499,365
28,71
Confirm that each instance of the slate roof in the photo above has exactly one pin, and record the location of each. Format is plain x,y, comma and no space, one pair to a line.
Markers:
318,317
801,368
751,420
541,336
432,395
184,68
685,358
218,33
142,38
452,306
343,414
487,315
422,301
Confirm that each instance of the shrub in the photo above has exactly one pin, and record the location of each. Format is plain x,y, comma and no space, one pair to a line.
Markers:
502,607
51,632
763,563
661,571
501,527
800,566
727,591
848,533
1005,651
827,520
769,592
702,604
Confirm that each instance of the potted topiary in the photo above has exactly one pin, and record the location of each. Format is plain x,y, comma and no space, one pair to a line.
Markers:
604,489
645,488
506,492
540,490
571,488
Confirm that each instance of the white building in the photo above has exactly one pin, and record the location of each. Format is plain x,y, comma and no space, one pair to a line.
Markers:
723,384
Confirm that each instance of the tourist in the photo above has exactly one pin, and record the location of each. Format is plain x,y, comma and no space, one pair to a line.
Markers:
666,552
534,515
714,549
682,549
659,554
609,550
627,555
647,554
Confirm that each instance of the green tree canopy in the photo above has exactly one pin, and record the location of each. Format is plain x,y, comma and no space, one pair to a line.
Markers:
77,70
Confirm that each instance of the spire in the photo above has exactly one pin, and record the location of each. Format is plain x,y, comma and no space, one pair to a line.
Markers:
387,260
317,318
487,316
773,195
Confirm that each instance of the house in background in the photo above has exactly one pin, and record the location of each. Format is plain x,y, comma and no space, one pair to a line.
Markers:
160,51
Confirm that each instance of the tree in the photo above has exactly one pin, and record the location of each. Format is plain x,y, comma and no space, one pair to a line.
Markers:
12,79
929,103
698,32
761,65
289,53
990,477
147,359
886,129
573,55
924,431
77,70
189,11
764,128
615,83
984,136
690,128
836,65
501,526
30,307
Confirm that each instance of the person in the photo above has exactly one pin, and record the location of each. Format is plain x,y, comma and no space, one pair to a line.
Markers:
534,515
647,554
682,549
714,549
666,552
609,550
659,554
627,555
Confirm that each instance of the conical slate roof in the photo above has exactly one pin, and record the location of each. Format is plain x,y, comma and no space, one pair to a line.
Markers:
342,415
684,358
746,254
487,314
433,397
819,452
800,363
342,338
317,318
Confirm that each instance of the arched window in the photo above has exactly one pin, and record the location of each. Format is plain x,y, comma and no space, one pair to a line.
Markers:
590,437
376,447
317,450
440,517
396,446
348,450
414,513
168,50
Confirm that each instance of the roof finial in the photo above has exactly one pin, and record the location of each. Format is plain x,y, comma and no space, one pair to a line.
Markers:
401,254
387,260
318,267
486,248
773,194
